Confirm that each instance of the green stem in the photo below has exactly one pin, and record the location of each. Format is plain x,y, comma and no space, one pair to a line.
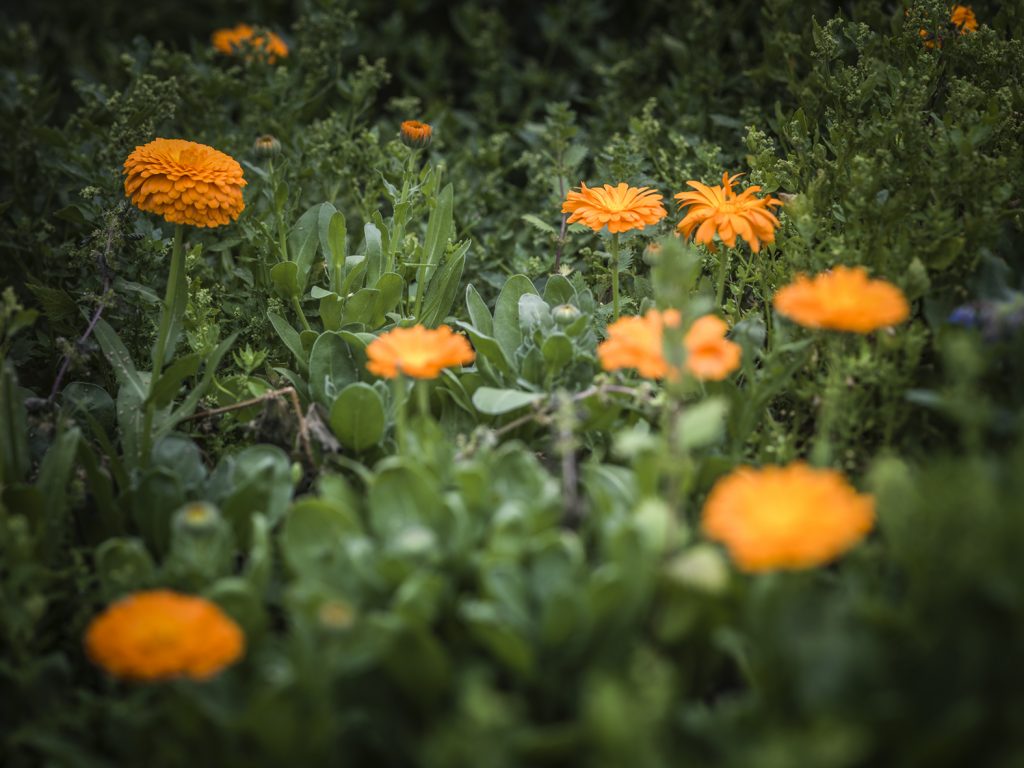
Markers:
398,393
300,313
723,270
822,452
166,329
423,398
615,275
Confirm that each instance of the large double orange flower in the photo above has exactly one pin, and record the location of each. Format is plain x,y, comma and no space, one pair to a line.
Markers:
417,352
719,210
842,299
620,208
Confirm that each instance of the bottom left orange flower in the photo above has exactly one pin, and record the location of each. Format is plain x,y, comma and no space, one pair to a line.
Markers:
161,635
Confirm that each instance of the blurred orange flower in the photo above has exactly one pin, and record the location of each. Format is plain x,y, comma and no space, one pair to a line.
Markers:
963,20
842,299
638,343
791,517
415,134
620,208
419,352
243,38
160,634
720,210
185,182
709,355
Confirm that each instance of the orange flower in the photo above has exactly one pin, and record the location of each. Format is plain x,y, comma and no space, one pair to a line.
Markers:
709,355
719,209
638,342
185,182
415,134
842,299
418,352
620,208
160,634
244,39
961,18
789,517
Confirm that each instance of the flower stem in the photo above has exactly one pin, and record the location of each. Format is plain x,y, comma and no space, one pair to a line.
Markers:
300,313
723,271
401,430
170,316
822,452
615,275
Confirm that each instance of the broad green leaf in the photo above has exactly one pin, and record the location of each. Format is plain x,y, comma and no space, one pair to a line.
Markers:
479,314
557,351
506,313
498,401
439,228
290,337
332,367
374,253
170,380
702,424
444,289
117,355
357,417
390,286
489,348
558,290
361,306
285,277
303,241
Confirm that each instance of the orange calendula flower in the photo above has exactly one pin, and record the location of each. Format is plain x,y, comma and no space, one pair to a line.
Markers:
842,299
638,343
720,210
185,182
620,208
160,635
415,134
418,352
243,38
961,18
791,517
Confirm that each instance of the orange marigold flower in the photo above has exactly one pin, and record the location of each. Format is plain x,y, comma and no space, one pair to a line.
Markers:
620,208
419,352
243,38
415,134
185,182
638,342
160,634
709,355
842,299
720,210
961,18
789,517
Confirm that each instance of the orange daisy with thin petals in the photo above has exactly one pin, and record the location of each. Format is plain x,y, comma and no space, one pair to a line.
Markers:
418,352
619,208
243,38
709,355
719,210
842,299
638,343
160,635
792,517
185,182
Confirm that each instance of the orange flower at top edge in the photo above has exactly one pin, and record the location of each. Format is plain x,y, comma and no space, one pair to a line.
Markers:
185,182
243,37
415,134
791,517
720,210
638,343
418,352
160,635
619,208
961,18
842,299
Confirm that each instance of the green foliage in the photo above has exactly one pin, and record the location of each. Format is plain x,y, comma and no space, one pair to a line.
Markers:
505,565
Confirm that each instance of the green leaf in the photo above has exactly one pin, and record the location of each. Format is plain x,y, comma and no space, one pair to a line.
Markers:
439,228
357,417
170,380
557,351
302,243
489,348
539,223
390,286
506,313
315,531
191,401
123,565
80,397
332,309
703,424
285,277
290,337
444,289
332,367
117,355
498,401
361,306
374,253
479,314
558,290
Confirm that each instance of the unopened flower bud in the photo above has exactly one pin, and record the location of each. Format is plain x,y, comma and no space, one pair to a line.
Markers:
416,135
565,314
267,145
199,516
336,615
